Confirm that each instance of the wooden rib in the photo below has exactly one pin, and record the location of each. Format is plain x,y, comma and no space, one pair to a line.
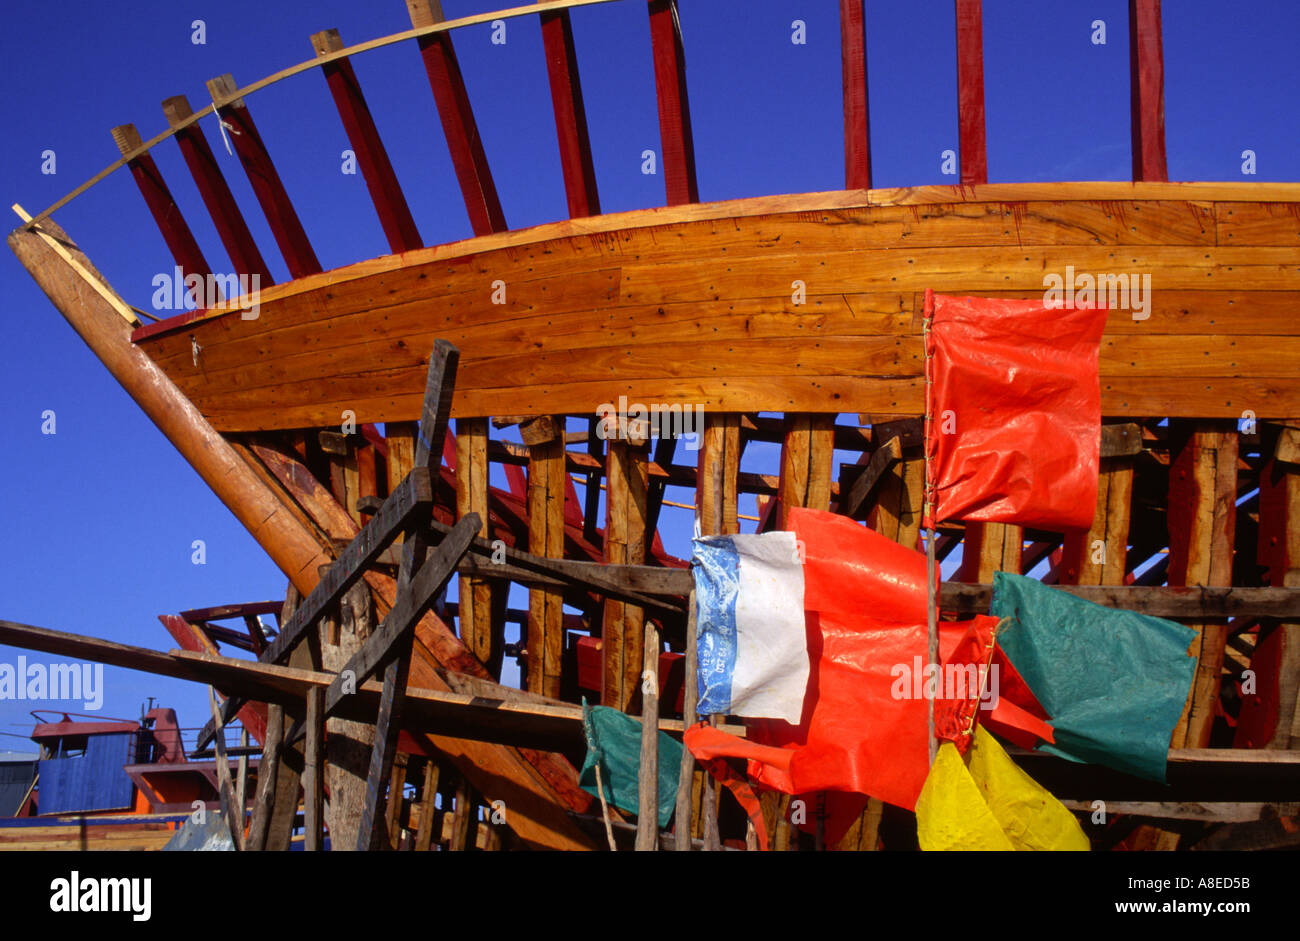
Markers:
463,141
989,548
675,138
475,615
970,92
1279,550
385,192
427,30
1202,520
220,202
626,484
171,223
857,122
546,492
1099,556
313,776
281,217
570,115
1147,90
806,463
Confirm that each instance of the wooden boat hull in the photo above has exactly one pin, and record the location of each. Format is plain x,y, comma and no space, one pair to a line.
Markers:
804,303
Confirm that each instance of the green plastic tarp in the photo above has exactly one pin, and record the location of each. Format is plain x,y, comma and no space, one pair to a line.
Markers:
1113,682
614,740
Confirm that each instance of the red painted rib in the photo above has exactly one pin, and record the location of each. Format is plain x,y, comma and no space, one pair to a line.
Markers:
970,92
283,219
570,115
467,155
175,231
390,202
229,221
1147,90
857,124
674,106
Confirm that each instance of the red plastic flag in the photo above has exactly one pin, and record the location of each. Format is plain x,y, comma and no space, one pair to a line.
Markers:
1015,411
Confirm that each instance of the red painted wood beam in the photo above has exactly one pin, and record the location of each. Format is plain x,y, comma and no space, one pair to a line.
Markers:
175,231
970,92
675,138
857,123
289,234
570,115
458,124
386,193
1146,59
211,182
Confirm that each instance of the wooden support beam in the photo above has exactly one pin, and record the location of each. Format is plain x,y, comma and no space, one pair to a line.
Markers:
806,463
260,509
675,138
463,141
410,501
647,826
989,548
570,115
1147,90
717,474
1202,522
175,231
1099,556
970,92
625,543
421,577
476,595
396,786
232,807
313,776
857,123
347,740
881,460
282,218
381,180
546,492
264,802
428,794
211,182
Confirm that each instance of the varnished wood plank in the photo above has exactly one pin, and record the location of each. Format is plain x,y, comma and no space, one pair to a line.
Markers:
1257,223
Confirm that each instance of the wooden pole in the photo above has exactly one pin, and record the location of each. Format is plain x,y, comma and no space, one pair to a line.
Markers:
313,781
223,780
289,544
647,822
264,803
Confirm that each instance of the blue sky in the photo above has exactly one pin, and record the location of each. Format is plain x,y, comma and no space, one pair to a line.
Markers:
100,516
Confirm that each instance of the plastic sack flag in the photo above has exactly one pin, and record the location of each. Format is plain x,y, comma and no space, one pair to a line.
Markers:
853,734
986,802
1015,411
614,743
979,685
753,651
1114,682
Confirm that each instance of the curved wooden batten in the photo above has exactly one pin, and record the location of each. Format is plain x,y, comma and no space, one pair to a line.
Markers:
700,305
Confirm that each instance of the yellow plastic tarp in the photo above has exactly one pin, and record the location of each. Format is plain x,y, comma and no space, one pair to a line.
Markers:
985,802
